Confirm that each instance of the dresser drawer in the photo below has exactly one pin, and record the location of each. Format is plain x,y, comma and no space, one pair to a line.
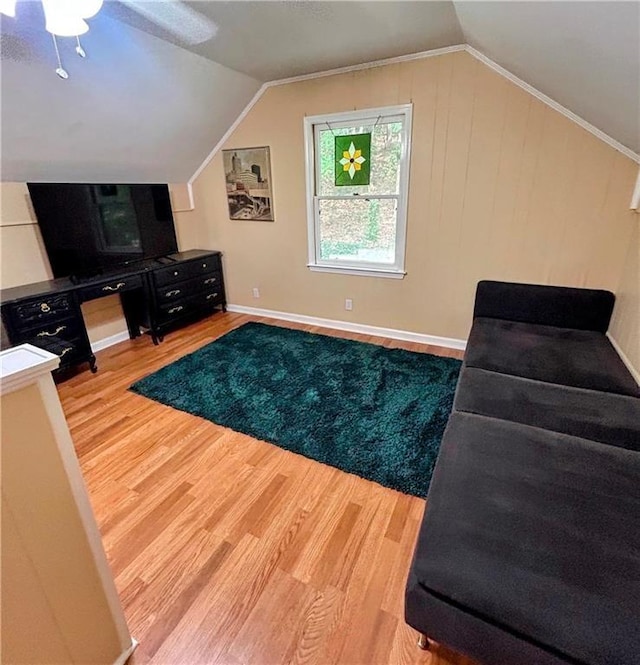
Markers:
171,311
182,271
108,287
43,309
197,302
171,292
68,350
211,297
181,290
66,328
208,282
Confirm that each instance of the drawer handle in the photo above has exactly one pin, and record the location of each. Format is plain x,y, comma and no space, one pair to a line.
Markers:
212,295
175,292
67,350
44,307
211,280
118,286
173,310
204,265
175,273
45,333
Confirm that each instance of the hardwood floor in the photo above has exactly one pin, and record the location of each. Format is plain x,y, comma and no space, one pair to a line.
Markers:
229,550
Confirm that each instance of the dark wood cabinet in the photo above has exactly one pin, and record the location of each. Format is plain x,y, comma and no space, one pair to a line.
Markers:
53,322
158,296
190,288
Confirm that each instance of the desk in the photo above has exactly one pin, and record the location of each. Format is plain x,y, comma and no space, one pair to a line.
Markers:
157,295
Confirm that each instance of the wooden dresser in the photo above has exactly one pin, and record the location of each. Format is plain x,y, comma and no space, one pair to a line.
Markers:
190,288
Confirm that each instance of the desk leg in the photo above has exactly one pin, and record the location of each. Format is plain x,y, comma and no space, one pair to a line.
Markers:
133,306
134,329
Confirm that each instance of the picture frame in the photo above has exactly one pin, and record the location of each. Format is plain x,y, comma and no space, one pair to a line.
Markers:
248,183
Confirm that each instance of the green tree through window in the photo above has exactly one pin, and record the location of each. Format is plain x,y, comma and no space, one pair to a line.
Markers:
361,226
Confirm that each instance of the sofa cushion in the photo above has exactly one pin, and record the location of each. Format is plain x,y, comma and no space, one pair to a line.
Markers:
567,307
591,414
539,533
470,634
580,358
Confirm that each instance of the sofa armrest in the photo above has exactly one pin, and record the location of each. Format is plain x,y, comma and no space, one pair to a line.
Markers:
564,307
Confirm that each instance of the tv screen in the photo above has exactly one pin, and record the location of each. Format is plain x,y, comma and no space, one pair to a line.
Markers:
89,229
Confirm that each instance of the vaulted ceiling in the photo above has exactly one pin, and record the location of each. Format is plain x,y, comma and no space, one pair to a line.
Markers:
275,40
584,55
152,99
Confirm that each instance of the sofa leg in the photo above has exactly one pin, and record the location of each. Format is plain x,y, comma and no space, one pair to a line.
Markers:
423,642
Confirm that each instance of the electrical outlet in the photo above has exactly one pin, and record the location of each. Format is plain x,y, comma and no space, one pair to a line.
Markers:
348,304
256,292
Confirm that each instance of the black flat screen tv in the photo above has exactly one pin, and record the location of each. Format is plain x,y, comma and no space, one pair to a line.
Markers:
89,229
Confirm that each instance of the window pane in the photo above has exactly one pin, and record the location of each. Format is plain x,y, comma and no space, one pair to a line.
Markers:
358,230
386,151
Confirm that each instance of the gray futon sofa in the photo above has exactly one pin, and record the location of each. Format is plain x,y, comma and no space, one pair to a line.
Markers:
529,551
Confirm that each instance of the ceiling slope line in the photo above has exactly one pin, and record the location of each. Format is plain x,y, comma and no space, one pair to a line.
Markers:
227,134
421,55
316,75
616,145
598,133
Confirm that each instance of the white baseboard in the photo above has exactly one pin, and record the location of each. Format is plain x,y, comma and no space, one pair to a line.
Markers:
404,335
109,341
634,372
125,655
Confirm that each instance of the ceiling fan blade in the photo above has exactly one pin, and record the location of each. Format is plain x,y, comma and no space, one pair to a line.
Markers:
177,18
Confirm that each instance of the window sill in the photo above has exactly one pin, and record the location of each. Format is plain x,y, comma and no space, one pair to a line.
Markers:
361,272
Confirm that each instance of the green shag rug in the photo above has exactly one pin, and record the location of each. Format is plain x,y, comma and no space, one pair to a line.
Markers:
378,413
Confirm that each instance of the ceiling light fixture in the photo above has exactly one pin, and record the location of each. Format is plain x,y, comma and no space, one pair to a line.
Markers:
63,18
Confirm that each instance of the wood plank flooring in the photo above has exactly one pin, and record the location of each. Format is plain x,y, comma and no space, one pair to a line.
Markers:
229,550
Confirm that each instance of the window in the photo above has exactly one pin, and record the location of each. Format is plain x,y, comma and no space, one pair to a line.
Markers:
359,229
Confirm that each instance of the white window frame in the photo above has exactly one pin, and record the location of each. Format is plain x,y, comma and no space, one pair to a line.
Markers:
402,112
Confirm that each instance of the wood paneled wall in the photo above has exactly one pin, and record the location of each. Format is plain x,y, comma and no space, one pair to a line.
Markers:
625,326
502,187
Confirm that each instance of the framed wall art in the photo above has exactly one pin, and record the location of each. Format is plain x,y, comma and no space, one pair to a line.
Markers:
247,173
